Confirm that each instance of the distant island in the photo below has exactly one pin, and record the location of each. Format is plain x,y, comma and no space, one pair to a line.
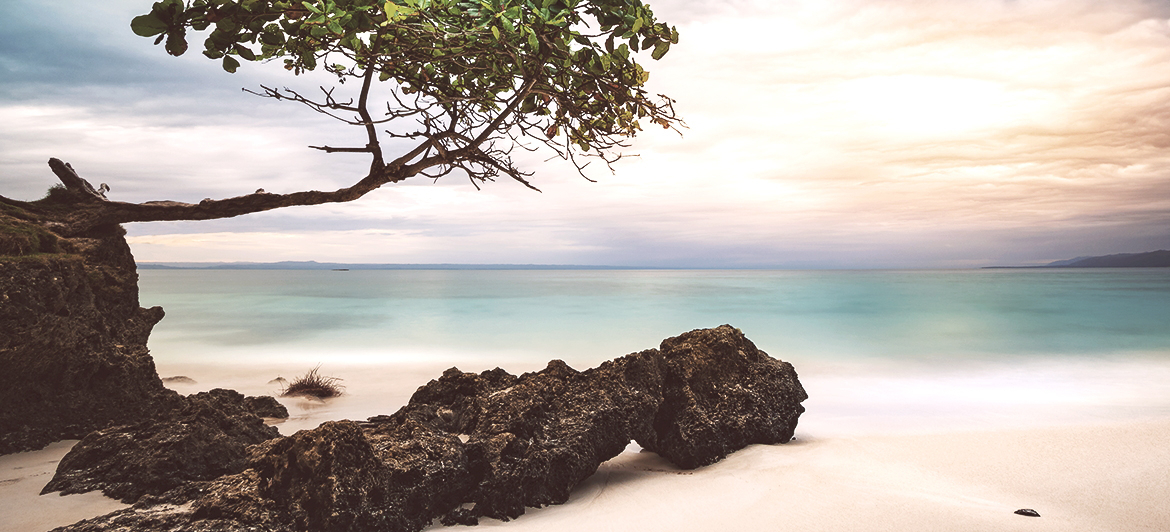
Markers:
342,267
1149,259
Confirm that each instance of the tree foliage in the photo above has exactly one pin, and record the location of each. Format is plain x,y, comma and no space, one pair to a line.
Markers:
458,84
467,74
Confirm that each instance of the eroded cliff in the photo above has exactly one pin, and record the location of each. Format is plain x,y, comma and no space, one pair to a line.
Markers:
73,354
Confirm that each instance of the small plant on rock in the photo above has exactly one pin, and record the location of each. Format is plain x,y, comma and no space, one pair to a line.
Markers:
314,384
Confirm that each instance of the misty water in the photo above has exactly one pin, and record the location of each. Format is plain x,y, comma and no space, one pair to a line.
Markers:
917,350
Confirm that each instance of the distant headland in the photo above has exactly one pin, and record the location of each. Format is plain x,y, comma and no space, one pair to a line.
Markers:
1149,259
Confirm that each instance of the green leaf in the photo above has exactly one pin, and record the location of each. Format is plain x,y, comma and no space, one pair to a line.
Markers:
496,32
176,43
230,64
660,50
148,25
637,25
227,25
275,38
395,12
245,52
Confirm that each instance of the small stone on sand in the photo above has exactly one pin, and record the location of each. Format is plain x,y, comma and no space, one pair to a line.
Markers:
180,379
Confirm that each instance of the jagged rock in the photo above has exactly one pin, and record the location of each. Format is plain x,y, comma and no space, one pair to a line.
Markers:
490,444
721,394
73,354
533,441
265,406
206,436
329,478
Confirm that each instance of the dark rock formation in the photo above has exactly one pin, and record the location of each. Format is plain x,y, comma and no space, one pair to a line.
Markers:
263,406
73,354
206,436
468,446
529,442
1027,512
721,394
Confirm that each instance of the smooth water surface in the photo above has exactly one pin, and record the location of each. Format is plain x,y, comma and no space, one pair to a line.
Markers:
872,347
589,316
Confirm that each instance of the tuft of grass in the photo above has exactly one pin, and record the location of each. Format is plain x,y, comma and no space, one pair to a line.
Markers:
314,384
21,238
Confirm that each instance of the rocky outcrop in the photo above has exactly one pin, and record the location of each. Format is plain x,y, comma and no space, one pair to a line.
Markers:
529,442
721,394
73,354
206,436
473,445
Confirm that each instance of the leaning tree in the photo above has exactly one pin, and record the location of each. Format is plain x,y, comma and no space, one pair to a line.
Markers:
436,87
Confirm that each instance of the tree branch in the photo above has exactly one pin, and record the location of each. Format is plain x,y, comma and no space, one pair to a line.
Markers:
74,183
330,149
364,111
95,210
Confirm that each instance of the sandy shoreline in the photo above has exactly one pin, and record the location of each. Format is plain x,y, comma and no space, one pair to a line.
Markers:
1107,477
865,458
23,509
1094,477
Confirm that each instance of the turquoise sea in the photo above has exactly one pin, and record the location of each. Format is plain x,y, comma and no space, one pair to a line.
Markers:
945,349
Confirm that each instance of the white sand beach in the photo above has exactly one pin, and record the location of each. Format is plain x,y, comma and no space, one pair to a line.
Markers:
1087,478
23,509
1091,475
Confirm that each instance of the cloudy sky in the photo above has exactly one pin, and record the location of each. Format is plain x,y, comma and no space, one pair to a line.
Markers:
822,133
